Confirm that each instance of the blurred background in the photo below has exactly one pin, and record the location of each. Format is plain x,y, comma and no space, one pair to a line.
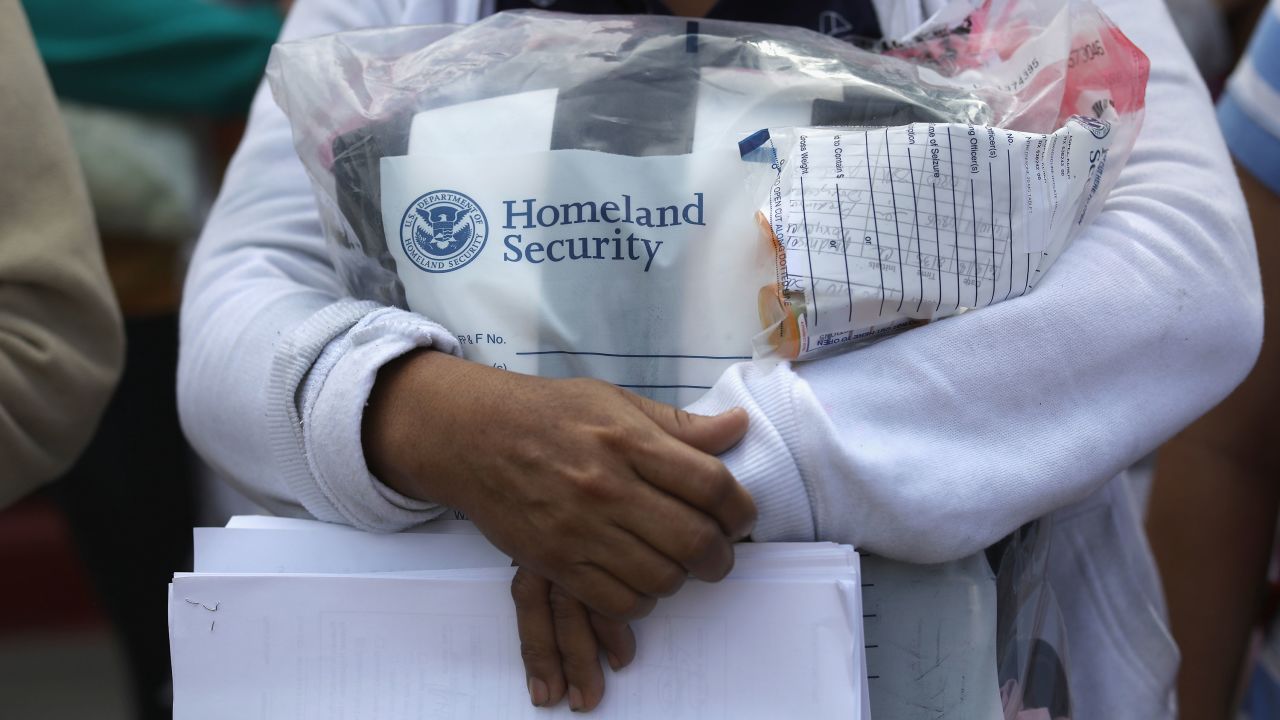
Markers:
154,93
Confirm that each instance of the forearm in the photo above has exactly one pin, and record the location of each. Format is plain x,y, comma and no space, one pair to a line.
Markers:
392,422
273,358
275,365
932,444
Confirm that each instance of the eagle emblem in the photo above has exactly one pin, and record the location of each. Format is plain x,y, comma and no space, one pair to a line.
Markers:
443,230
446,228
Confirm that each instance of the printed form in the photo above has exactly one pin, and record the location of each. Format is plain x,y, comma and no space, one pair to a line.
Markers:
880,227
928,631
275,624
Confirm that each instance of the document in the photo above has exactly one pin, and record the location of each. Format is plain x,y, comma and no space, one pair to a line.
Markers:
641,271
341,647
290,551
880,228
294,618
268,522
467,128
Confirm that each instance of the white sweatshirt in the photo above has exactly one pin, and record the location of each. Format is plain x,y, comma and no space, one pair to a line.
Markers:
925,447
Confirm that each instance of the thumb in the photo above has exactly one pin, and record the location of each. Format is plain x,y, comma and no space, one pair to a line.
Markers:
712,434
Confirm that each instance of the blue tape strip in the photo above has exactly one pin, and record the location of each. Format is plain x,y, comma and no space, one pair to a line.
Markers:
752,143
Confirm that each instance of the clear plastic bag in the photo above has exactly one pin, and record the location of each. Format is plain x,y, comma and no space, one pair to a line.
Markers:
1031,635
1065,91
877,230
593,215
630,197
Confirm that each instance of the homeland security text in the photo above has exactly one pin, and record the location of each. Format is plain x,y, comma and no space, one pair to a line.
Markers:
528,215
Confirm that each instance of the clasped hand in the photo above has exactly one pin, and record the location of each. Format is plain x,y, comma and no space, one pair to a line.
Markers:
606,501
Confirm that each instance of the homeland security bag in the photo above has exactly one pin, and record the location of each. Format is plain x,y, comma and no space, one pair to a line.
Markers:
568,195
647,201
591,195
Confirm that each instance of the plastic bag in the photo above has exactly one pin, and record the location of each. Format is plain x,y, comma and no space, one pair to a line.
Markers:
567,192
1031,635
629,198
1066,93
877,230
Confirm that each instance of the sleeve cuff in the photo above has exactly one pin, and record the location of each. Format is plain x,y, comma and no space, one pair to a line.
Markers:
765,461
330,402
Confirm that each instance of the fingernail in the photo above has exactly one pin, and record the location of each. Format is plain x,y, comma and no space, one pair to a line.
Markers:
614,662
538,693
575,699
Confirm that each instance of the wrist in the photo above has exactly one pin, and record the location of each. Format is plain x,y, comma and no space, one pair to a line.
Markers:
405,430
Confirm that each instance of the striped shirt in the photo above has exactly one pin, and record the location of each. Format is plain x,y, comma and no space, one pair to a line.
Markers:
1250,109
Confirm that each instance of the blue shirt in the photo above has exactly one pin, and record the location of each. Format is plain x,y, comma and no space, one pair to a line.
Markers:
1249,111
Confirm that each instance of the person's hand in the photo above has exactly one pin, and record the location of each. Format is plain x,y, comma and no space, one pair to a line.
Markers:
612,497
561,641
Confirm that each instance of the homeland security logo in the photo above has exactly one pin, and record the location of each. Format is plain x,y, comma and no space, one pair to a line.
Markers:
443,230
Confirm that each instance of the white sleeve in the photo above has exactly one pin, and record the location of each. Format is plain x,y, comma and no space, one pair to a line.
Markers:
935,443
275,366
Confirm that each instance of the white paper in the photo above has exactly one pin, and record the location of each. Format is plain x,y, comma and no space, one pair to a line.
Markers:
883,226
270,522
224,550
258,544
734,102
302,587
333,647
641,271
523,121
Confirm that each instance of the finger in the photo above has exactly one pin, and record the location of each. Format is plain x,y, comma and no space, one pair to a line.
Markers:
604,593
680,533
579,653
636,563
677,531
698,479
711,434
538,647
616,639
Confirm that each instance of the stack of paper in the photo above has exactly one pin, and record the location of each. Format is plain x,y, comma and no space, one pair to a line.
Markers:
299,619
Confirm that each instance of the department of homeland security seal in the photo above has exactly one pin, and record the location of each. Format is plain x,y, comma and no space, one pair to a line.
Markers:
443,230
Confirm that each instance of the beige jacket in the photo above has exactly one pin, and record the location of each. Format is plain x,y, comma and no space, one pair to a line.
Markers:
61,340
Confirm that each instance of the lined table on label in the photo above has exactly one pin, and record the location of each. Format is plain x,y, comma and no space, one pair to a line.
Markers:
919,217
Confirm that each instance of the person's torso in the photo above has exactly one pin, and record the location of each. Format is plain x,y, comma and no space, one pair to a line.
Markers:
1122,659
838,18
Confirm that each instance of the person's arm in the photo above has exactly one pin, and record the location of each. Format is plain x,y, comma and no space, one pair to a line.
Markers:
613,497
269,346
1214,503
1212,517
61,341
933,444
